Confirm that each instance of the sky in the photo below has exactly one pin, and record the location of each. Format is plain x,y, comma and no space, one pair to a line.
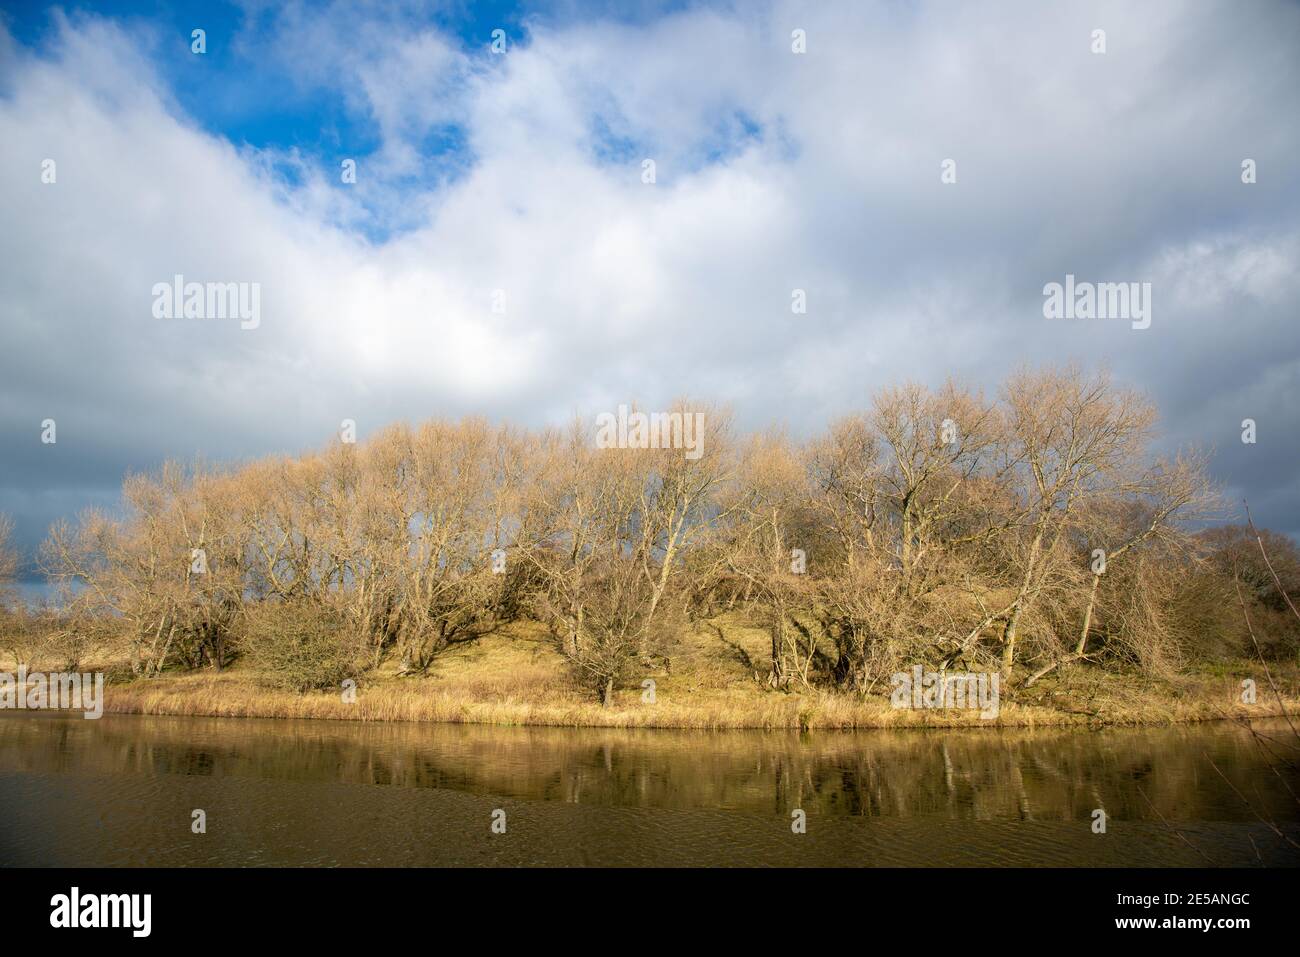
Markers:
920,171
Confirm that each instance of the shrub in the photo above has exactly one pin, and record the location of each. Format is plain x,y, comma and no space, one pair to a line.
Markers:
21,638
302,647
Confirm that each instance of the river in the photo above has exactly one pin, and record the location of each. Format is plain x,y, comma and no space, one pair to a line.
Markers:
123,791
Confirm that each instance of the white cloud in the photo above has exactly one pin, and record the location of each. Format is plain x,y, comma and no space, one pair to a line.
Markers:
1120,167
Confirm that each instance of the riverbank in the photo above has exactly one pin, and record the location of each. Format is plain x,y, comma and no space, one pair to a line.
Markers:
517,677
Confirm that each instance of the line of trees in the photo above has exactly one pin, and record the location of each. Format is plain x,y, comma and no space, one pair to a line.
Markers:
1018,533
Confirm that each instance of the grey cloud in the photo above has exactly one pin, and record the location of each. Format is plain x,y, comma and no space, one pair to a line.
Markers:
1114,168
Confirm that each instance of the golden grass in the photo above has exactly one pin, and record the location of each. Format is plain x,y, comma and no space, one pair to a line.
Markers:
517,677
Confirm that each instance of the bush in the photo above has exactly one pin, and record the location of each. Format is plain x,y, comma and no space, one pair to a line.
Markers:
302,647
21,638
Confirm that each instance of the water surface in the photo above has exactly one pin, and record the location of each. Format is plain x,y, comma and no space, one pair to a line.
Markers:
121,791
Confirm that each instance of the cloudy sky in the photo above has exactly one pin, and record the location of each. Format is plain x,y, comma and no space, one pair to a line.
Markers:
515,179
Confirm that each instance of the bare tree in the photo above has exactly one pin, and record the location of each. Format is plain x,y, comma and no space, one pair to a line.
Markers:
1072,438
936,525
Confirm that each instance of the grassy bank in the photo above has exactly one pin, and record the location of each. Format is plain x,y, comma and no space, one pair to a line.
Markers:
517,677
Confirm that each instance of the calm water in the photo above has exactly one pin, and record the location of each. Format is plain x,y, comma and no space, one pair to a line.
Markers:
120,791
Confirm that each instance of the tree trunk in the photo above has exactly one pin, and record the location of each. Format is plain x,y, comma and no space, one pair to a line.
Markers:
1009,643
1087,618
607,699
778,642
1026,586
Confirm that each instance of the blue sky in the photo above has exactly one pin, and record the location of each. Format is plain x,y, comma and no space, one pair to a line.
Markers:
244,92
518,179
